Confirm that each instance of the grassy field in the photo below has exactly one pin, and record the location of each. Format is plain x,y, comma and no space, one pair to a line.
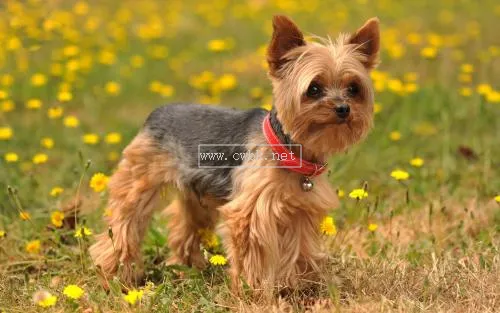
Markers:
77,80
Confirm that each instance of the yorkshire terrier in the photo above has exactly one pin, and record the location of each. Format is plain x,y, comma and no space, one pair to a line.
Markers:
270,205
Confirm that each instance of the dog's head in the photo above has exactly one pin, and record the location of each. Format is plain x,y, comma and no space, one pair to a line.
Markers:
322,91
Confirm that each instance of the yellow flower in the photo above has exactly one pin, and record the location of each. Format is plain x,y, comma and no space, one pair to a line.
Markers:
64,96
467,68
227,82
81,8
56,191
429,52
6,80
33,247
71,121
208,238
155,86
6,133
3,233
400,175
497,198
57,218
358,194
377,108
25,216
113,138
82,231
44,299
372,227
71,51
465,92
3,94
133,296
38,79
395,85
340,193
136,61
166,91
218,259
47,142
55,112
107,212
8,106
417,162
34,104
410,87
90,139
218,45
11,157
395,136
40,158
267,106
98,182
327,226
107,57
493,97
112,88
73,292
484,89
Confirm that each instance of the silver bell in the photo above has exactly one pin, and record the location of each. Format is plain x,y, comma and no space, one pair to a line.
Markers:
307,184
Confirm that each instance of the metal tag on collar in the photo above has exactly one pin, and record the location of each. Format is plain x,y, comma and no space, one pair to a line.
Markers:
307,184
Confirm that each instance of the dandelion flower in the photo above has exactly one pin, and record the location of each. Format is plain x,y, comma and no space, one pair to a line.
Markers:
429,52
217,45
400,175
112,88
113,138
107,212
218,260
40,158
90,139
73,292
155,86
358,194
327,226
208,238
56,191
372,227
82,232
133,296
33,247
377,108
395,136
55,112
340,193
44,299
11,157
467,68
465,92
25,215
6,133
166,91
3,233
417,162
33,104
483,89
267,106
71,121
38,79
8,106
57,218
98,182
47,143
227,82
497,199
64,96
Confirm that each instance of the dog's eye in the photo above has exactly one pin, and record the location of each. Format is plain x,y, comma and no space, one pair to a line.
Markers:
314,90
353,89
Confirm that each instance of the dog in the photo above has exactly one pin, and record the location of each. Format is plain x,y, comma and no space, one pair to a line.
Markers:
270,205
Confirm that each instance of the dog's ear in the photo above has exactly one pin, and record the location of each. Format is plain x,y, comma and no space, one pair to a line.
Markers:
286,36
367,40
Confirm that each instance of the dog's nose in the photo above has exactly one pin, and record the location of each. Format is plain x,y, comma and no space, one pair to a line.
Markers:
342,110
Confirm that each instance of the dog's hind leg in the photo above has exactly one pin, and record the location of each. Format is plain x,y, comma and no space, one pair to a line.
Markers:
133,192
189,216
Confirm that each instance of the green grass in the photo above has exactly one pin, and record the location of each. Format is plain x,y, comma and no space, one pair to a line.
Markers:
436,245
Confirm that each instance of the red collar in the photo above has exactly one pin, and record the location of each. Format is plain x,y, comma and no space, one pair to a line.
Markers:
292,163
